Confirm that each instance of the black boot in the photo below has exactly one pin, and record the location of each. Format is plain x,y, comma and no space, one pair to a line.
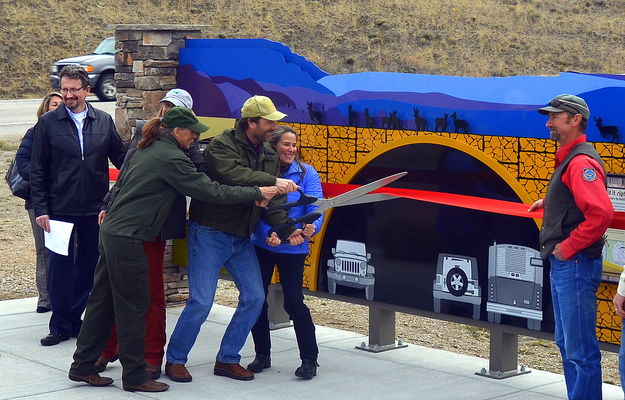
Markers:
260,362
307,370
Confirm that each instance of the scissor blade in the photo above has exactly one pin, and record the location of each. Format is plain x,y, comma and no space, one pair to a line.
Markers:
347,198
369,198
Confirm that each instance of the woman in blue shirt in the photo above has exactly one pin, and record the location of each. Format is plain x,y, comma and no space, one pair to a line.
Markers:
289,258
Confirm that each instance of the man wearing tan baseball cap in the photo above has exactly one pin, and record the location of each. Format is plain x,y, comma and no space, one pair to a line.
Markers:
219,235
261,106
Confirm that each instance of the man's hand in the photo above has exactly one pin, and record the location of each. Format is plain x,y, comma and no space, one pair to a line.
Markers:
296,237
268,192
540,203
273,240
286,185
558,253
44,222
619,302
101,217
309,230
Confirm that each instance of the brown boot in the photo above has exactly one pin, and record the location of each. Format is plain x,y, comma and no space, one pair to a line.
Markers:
177,372
153,370
234,371
102,362
93,380
149,386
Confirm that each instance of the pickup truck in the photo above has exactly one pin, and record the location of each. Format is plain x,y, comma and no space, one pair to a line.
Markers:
100,66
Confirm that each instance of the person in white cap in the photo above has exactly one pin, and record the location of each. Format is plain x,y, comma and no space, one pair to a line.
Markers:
177,97
219,235
174,228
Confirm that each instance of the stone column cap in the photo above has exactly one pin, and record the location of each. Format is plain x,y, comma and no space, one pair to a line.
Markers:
156,27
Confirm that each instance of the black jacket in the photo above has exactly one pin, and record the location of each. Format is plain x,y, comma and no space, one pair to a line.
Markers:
22,158
62,182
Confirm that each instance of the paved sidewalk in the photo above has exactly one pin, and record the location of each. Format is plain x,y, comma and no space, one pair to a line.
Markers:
28,370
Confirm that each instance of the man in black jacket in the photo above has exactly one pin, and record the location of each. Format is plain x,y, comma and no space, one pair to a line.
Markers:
69,178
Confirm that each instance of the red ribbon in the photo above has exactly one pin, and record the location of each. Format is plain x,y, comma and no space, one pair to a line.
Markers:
458,200
448,199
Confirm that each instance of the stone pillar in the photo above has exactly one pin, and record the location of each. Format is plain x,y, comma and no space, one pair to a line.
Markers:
145,69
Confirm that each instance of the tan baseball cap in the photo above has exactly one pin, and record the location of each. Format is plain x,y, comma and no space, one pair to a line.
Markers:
261,106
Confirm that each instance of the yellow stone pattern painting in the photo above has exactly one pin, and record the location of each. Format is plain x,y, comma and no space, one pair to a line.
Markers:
335,150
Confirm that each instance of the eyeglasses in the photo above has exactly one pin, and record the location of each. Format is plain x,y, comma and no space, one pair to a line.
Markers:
71,90
568,106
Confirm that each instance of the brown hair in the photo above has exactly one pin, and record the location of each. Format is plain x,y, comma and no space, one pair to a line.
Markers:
277,135
74,72
244,123
152,130
45,103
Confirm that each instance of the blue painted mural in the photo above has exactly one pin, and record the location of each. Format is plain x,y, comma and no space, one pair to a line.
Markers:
222,73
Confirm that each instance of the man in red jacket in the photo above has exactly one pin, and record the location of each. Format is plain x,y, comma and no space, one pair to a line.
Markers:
578,211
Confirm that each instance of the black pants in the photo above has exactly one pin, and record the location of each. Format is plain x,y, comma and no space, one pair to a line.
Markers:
120,293
70,278
291,269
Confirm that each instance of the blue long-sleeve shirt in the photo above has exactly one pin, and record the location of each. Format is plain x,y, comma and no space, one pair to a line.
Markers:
310,184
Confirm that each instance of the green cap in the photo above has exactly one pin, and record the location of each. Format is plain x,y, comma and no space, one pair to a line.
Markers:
568,103
182,117
261,106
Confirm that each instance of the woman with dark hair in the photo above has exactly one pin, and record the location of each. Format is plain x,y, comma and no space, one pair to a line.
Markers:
289,259
158,171
22,161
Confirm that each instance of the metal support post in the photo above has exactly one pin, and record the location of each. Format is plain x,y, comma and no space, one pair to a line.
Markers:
278,318
504,355
381,331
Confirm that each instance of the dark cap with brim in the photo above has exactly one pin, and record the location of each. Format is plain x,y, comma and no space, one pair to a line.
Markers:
181,117
569,103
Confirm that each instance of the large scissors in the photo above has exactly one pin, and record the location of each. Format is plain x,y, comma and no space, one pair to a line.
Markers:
360,195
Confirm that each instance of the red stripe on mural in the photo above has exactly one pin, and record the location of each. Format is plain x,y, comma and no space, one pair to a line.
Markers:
458,200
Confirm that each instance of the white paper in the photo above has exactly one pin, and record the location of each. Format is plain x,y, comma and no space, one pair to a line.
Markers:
57,240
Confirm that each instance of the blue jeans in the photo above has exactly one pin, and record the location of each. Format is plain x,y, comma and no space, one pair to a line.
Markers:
209,250
574,285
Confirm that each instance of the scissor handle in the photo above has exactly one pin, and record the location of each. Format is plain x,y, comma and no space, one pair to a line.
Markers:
303,200
305,219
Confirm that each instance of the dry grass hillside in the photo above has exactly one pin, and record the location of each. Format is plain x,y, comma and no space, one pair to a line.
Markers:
450,37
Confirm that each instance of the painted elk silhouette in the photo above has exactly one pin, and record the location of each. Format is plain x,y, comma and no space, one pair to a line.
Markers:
315,116
391,122
419,122
369,120
352,116
441,123
459,124
609,132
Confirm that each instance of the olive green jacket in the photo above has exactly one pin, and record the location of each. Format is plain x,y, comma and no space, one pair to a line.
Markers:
232,160
155,175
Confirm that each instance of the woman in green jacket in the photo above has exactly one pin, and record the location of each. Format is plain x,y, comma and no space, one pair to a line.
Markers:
158,171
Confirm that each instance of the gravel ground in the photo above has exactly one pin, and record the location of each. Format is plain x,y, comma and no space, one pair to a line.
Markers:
17,272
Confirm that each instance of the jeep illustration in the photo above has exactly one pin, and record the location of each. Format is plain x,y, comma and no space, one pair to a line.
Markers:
350,267
456,280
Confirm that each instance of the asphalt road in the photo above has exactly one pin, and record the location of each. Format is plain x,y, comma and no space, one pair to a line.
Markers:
16,116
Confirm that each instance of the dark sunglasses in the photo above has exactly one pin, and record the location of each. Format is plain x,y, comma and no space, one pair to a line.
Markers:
568,106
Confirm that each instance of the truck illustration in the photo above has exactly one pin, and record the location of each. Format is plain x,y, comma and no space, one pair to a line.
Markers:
350,267
456,280
515,284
